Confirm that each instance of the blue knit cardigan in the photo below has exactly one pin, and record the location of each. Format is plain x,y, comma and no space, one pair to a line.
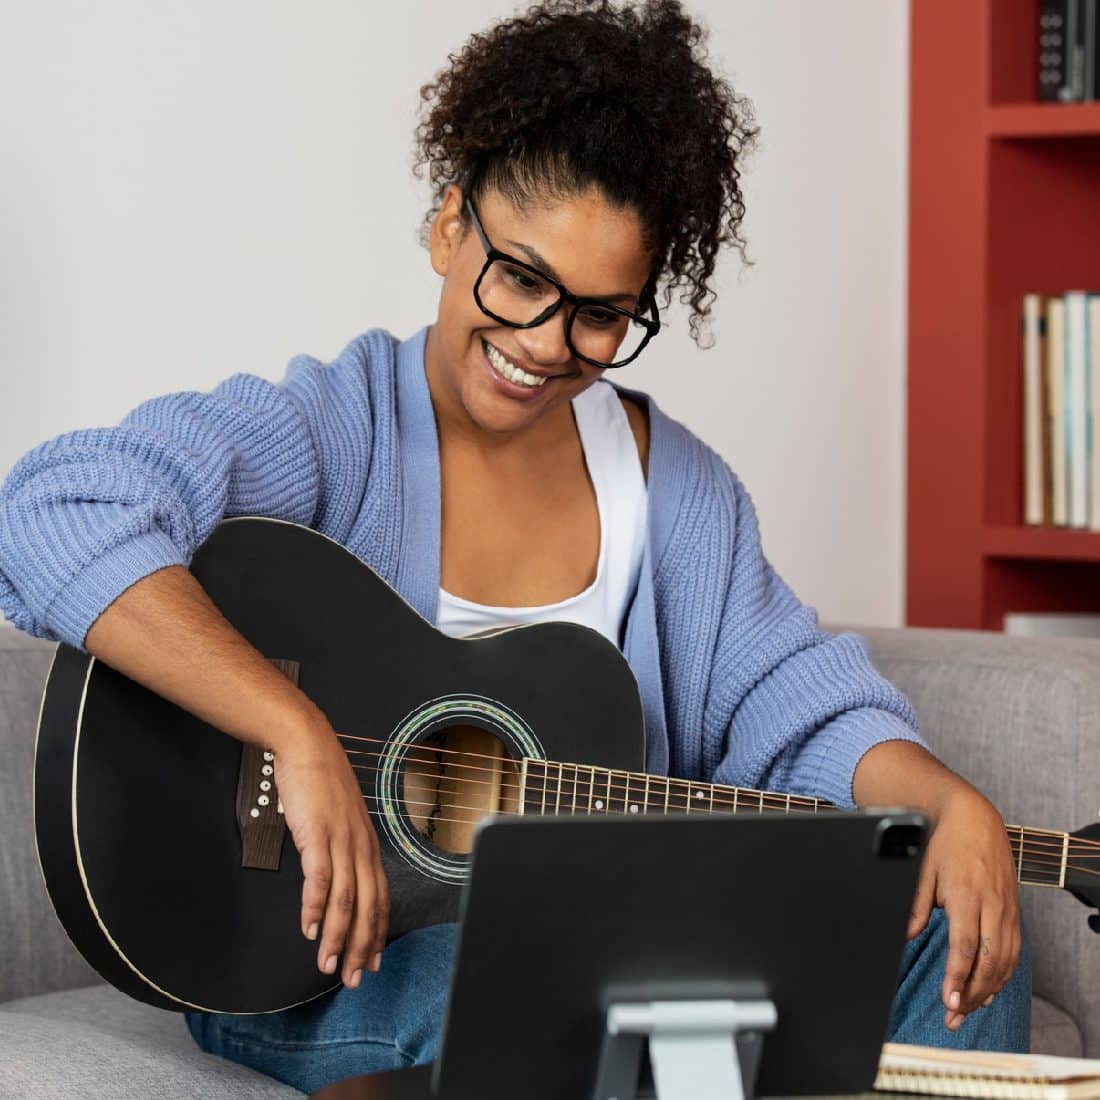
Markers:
738,683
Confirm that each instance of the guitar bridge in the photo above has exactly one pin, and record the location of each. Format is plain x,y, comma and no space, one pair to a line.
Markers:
260,816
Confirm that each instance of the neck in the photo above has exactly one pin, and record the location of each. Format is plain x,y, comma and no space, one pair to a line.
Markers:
1041,856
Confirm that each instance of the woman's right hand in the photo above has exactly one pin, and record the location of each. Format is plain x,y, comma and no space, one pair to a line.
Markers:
345,898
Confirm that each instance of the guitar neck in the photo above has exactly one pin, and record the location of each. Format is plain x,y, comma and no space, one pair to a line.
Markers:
551,787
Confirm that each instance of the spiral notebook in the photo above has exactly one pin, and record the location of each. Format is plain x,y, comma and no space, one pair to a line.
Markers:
977,1073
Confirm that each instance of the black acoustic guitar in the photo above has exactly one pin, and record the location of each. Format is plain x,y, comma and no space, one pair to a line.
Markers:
162,840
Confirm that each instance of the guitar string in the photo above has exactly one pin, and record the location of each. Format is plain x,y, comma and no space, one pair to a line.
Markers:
1054,865
774,801
1028,852
1031,849
803,800
1031,860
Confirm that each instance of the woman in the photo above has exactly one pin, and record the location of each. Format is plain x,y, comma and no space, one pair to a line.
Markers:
585,163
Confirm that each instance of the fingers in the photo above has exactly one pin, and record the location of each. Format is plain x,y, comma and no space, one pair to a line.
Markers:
367,934
345,897
992,948
317,872
923,901
341,903
963,945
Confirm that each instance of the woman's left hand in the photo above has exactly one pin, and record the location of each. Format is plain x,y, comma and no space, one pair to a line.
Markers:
969,871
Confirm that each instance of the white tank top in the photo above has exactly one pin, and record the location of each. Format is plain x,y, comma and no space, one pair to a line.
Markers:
611,455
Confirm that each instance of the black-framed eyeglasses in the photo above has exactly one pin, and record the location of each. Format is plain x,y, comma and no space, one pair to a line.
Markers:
521,296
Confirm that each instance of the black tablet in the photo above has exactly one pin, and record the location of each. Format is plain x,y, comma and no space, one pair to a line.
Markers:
563,918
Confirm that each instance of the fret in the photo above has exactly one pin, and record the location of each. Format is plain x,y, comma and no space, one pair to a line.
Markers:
1020,855
629,805
1045,862
522,786
645,796
557,793
710,807
536,779
607,804
788,804
736,800
591,788
761,802
674,798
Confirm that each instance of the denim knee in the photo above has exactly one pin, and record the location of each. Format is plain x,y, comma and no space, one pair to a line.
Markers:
919,1011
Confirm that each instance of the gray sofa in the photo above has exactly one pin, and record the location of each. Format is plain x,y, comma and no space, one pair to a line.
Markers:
1018,716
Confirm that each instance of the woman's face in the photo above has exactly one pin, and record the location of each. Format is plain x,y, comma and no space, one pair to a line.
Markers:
591,247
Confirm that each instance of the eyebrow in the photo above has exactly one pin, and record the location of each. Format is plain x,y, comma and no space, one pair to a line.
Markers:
546,268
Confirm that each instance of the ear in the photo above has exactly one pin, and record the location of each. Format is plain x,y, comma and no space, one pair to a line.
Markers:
447,230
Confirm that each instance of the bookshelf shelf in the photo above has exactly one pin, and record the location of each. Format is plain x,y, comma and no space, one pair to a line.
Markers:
1043,120
1004,199
1050,544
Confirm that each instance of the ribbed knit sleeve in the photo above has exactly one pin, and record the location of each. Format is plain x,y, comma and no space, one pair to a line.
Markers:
86,515
798,706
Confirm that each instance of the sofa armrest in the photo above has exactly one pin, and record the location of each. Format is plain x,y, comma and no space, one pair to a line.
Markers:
1020,719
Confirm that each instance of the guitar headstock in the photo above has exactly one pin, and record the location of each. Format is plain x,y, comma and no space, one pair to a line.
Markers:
1083,869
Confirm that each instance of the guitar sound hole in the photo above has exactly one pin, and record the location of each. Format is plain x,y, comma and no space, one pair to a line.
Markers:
453,779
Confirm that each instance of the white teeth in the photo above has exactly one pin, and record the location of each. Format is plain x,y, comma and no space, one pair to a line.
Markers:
508,370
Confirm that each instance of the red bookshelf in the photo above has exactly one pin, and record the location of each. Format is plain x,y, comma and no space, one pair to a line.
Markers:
1004,198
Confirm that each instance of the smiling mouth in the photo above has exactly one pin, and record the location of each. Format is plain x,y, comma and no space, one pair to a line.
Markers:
508,370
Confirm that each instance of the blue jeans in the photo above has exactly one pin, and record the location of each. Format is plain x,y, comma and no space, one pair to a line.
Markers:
394,1018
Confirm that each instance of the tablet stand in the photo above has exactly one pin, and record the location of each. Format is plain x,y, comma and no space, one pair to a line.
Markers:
699,1050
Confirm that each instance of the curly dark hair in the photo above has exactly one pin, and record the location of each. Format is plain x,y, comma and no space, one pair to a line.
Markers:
575,93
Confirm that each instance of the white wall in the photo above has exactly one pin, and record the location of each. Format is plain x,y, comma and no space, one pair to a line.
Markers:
191,190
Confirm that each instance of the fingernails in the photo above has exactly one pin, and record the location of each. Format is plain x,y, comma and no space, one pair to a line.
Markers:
376,962
312,933
330,965
953,1000
354,983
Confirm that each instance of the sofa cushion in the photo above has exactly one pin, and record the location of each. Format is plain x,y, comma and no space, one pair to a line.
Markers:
97,1042
1053,1031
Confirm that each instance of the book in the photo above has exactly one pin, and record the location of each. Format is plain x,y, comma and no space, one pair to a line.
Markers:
937,1072
1053,53
1094,407
1077,407
1056,381
1035,461
1075,59
1092,48
1052,624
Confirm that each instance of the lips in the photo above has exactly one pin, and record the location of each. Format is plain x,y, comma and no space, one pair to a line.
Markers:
509,369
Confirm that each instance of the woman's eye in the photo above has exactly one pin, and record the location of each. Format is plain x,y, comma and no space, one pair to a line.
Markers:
599,318
523,280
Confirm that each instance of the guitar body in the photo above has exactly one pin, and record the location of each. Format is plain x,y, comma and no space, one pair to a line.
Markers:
139,815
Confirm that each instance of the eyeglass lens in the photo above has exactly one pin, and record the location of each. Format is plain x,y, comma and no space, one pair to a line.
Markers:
518,296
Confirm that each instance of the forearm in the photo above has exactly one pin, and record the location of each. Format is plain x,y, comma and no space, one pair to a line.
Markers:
901,773
165,633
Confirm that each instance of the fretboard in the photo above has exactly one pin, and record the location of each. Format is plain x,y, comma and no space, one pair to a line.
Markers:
550,787
1040,855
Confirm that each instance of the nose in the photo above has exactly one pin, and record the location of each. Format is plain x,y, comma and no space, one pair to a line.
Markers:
545,344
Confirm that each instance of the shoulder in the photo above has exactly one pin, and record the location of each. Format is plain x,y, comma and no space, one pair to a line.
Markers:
365,362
